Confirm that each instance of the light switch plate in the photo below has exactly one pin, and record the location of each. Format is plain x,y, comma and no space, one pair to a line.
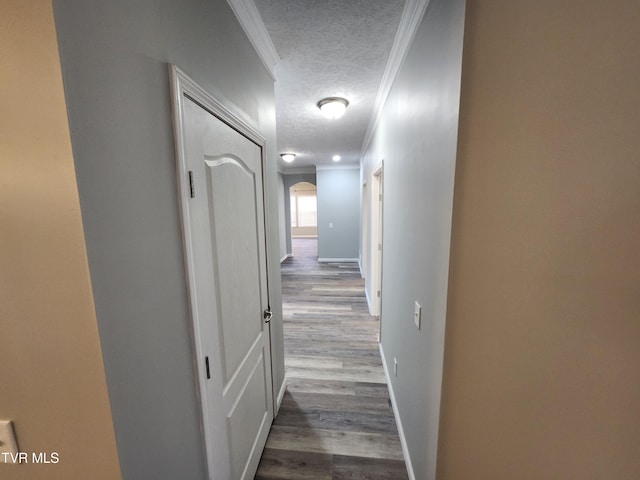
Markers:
417,315
7,440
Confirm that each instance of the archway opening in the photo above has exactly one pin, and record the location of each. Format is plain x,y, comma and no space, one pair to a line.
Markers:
304,210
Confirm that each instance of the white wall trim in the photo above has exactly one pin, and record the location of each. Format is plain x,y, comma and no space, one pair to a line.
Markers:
252,24
337,260
352,166
396,414
366,294
285,256
281,392
409,23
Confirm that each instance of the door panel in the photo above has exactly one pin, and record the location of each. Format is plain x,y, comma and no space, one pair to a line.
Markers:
246,420
226,257
231,190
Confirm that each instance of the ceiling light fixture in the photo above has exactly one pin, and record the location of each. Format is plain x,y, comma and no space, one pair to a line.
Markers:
333,107
288,157
336,158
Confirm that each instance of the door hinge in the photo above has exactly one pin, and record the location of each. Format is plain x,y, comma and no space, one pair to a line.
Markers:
380,197
378,293
379,247
206,364
192,190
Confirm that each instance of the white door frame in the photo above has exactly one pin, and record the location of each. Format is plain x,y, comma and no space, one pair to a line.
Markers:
377,200
364,242
182,86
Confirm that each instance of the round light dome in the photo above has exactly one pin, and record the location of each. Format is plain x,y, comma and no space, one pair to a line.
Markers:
288,157
333,107
336,158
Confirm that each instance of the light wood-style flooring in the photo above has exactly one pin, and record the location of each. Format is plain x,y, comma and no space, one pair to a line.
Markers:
335,421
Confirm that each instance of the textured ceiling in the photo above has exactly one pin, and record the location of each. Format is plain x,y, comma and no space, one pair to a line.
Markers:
327,48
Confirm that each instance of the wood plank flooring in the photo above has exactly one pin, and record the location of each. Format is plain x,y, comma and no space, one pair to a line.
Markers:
335,421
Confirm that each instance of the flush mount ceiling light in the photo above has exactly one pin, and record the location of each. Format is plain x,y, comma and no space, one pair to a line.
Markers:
333,107
288,157
336,158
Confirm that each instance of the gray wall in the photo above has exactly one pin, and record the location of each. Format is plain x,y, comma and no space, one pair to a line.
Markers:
339,204
289,180
114,59
416,137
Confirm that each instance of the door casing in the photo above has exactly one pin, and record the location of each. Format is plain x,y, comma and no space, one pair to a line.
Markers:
182,85
377,202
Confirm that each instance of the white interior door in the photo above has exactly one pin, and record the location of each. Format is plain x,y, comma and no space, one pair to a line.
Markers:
223,213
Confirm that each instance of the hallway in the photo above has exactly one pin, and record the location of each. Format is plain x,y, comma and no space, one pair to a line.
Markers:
335,421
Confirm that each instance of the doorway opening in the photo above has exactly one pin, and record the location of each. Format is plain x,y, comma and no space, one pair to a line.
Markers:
304,210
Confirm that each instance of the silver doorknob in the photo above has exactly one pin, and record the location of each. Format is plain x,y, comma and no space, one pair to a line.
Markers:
267,315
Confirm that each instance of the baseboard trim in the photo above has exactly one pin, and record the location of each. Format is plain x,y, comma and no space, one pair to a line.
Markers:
281,392
337,260
366,294
284,257
396,414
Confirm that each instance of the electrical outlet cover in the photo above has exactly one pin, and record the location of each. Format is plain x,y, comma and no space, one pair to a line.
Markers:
7,440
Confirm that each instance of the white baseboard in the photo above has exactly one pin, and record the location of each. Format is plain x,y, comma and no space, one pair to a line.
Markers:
337,260
281,392
396,414
366,294
288,255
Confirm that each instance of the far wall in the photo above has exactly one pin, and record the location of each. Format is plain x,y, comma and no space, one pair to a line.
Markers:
338,213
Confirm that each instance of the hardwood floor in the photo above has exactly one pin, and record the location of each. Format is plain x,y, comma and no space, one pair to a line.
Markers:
335,421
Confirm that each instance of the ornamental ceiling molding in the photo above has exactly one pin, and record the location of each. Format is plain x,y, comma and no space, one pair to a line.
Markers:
251,22
409,22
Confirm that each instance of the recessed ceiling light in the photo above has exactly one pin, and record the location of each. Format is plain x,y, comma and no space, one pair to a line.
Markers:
333,107
288,157
336,158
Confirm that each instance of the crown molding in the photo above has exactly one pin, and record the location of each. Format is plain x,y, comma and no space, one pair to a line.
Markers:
251,22
409,22
297,170
338,167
